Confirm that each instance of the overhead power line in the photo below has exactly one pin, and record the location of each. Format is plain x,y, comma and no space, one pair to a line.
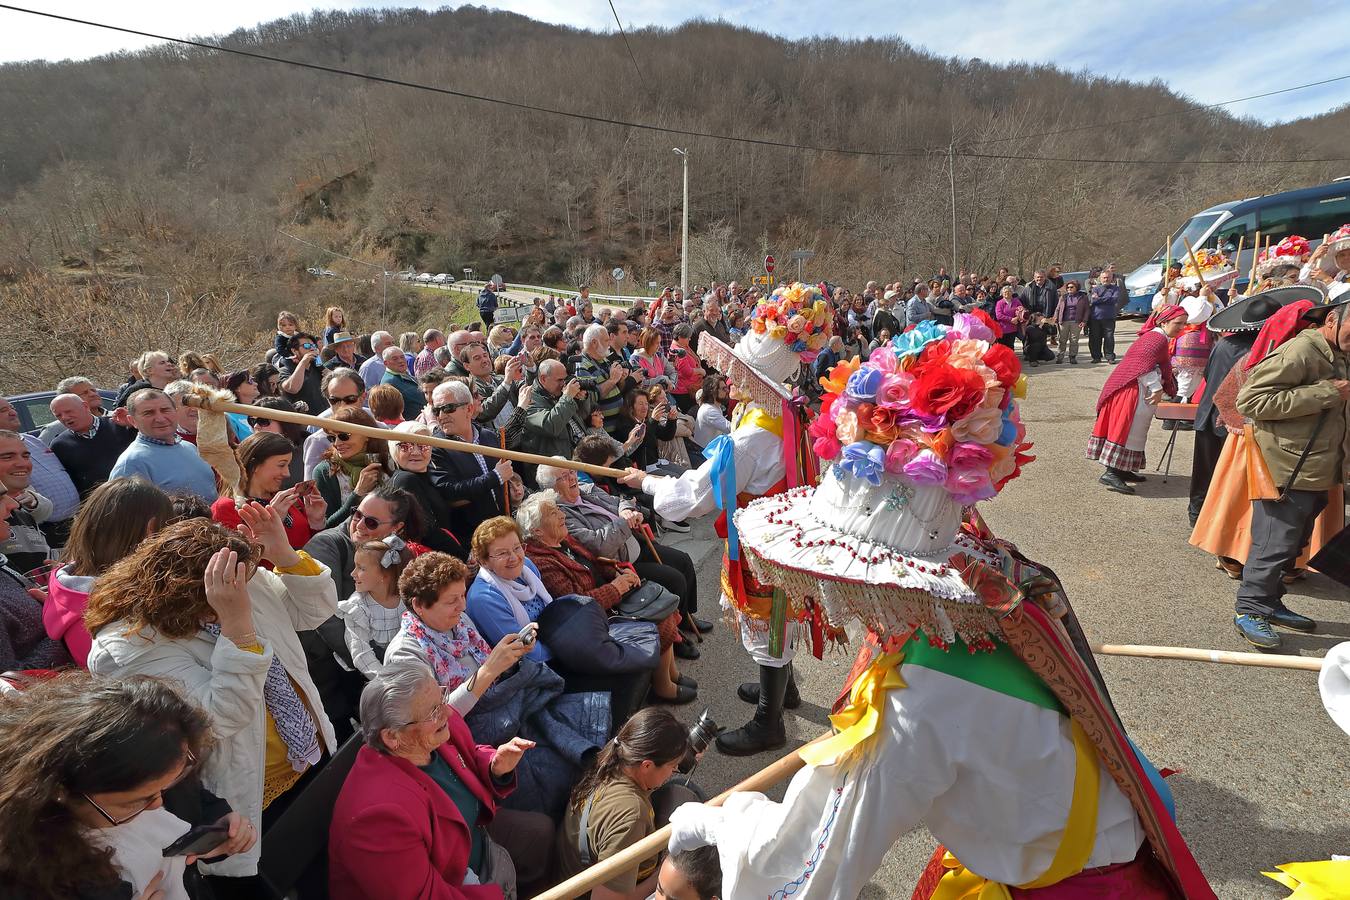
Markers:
904,153
624,35
1175,112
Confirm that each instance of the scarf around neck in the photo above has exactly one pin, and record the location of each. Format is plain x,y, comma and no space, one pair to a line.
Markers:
449,652
518,592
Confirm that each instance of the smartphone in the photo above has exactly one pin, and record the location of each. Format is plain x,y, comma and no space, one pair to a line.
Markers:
198,839
305,488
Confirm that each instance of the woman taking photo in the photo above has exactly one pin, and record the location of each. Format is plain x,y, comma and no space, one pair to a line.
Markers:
428,487
616,800
112,521
264,466
507,594
82,782
657,425
191,604
411,820
24,643
436,633
649,360
353,466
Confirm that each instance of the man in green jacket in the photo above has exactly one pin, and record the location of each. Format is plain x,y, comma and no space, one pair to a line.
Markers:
552,424
1296,398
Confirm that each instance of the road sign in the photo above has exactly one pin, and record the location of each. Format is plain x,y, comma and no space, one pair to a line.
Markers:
497,280
762,279
468,273
768,265
617,273
801,254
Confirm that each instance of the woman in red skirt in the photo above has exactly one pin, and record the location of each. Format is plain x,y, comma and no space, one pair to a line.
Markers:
1127,402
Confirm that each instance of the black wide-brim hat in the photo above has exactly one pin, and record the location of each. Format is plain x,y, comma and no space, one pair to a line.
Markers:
1250,313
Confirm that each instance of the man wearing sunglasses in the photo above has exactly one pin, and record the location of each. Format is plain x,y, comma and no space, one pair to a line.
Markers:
474,483
301,374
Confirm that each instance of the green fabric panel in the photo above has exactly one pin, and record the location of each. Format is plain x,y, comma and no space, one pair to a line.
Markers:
998,670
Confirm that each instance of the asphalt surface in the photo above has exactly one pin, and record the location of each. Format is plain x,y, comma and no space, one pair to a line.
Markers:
1263,771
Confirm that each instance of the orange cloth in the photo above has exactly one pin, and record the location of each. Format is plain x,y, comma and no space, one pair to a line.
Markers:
1224,526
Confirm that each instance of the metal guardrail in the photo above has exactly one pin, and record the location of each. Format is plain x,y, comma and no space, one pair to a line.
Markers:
475,286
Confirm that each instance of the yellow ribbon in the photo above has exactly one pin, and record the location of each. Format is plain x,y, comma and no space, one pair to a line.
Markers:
1327,880
756,417
1075,845
858,720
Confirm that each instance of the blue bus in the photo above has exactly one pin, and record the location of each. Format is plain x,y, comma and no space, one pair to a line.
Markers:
1310,212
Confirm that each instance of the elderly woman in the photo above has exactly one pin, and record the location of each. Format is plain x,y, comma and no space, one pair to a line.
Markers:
352,467
191,604
507,594
428,486
605,525
567,567
498,691
411,819
264,466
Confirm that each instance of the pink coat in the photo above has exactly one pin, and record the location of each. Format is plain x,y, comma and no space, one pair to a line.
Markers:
63,613
397,834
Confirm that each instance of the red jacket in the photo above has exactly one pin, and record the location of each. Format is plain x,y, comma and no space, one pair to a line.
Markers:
397,836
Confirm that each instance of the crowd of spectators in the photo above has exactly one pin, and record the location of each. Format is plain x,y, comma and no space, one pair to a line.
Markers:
228,611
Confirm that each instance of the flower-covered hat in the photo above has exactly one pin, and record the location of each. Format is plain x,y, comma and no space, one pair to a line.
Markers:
925,427
1340,240
1292,251
788,328
1216,269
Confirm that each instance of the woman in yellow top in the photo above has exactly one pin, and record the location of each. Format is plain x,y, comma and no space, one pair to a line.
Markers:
613,807
191,604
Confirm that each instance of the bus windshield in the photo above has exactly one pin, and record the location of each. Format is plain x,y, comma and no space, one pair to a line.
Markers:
1192,231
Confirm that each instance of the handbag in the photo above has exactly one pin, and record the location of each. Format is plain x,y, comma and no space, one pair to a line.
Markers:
649,602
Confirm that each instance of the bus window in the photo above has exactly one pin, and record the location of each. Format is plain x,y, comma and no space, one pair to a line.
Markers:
1231,232
1319,217
1278,221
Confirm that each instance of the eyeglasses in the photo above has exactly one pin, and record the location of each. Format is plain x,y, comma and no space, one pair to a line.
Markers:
408,447
258,423
349,399
439,714
344,435
369,521
112,820
307,345
517,550
446,409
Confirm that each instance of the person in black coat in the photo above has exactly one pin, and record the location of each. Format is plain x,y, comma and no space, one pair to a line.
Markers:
429,488
1209,431
659,425
473,484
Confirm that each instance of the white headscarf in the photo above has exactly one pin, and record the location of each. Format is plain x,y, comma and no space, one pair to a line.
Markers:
527,587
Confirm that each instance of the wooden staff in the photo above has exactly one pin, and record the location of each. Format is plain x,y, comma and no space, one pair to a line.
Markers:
1167,265
1226,657
1194,262
654,843
506,485
1256,256
384,434
1237,262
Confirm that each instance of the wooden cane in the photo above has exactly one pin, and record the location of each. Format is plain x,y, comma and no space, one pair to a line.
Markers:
1256,257
1237,261
1167,265
1194,262
654,843
506,485
1226,657
384,434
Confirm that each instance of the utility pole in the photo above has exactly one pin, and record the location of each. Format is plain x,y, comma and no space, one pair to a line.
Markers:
684,227
951,174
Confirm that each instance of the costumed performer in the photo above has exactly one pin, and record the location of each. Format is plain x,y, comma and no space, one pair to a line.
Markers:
974,707
1191,348
766,452
1223,520
1328,879
1336,277
1129,398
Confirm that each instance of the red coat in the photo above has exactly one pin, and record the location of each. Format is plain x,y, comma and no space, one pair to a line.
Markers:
397,836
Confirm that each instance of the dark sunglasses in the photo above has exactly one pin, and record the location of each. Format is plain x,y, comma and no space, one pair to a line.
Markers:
256,422
369,521
349,399
307,345
342,436
447,408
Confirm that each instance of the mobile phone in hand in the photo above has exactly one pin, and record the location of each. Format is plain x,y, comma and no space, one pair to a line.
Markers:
198,839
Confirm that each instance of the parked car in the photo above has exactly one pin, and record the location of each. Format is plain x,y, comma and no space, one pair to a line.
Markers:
35,409
439,279
315,271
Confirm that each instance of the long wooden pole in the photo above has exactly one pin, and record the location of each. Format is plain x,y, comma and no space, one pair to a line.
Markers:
1226,657
654,843
1237,262
384,434
1256,258
1194,262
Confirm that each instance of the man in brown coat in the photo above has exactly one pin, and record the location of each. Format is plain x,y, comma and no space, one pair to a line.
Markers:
1296,398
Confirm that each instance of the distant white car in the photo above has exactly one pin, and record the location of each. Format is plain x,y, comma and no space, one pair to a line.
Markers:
424,278
439,279
315,271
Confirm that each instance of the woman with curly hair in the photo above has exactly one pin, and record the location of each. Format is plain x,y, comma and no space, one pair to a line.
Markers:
353,466
191,604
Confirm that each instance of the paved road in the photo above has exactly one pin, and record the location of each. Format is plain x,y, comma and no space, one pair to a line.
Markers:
1264,772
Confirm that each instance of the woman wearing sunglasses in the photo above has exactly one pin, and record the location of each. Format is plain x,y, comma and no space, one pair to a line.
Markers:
191,604
83,785
352,467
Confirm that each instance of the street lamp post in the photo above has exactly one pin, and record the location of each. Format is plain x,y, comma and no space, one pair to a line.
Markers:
684,226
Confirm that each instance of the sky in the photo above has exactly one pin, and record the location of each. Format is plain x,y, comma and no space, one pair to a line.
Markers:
1213,52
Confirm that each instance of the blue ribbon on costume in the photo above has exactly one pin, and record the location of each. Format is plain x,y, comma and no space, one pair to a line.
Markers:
722,453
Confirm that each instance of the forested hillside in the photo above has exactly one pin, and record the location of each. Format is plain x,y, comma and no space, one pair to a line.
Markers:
173,168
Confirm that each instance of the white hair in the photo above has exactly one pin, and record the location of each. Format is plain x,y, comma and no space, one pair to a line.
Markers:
387,700
381,337
65,385
547,476
594,333
530,513
458,392
385,353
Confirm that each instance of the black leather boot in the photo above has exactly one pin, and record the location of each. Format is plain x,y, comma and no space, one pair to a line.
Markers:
749,691
765,731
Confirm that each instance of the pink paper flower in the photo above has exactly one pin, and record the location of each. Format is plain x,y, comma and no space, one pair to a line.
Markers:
967,457
894,391
981,427
900,452
925,468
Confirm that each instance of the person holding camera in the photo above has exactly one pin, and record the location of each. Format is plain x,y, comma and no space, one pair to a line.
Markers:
624,798
553,418
689,372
